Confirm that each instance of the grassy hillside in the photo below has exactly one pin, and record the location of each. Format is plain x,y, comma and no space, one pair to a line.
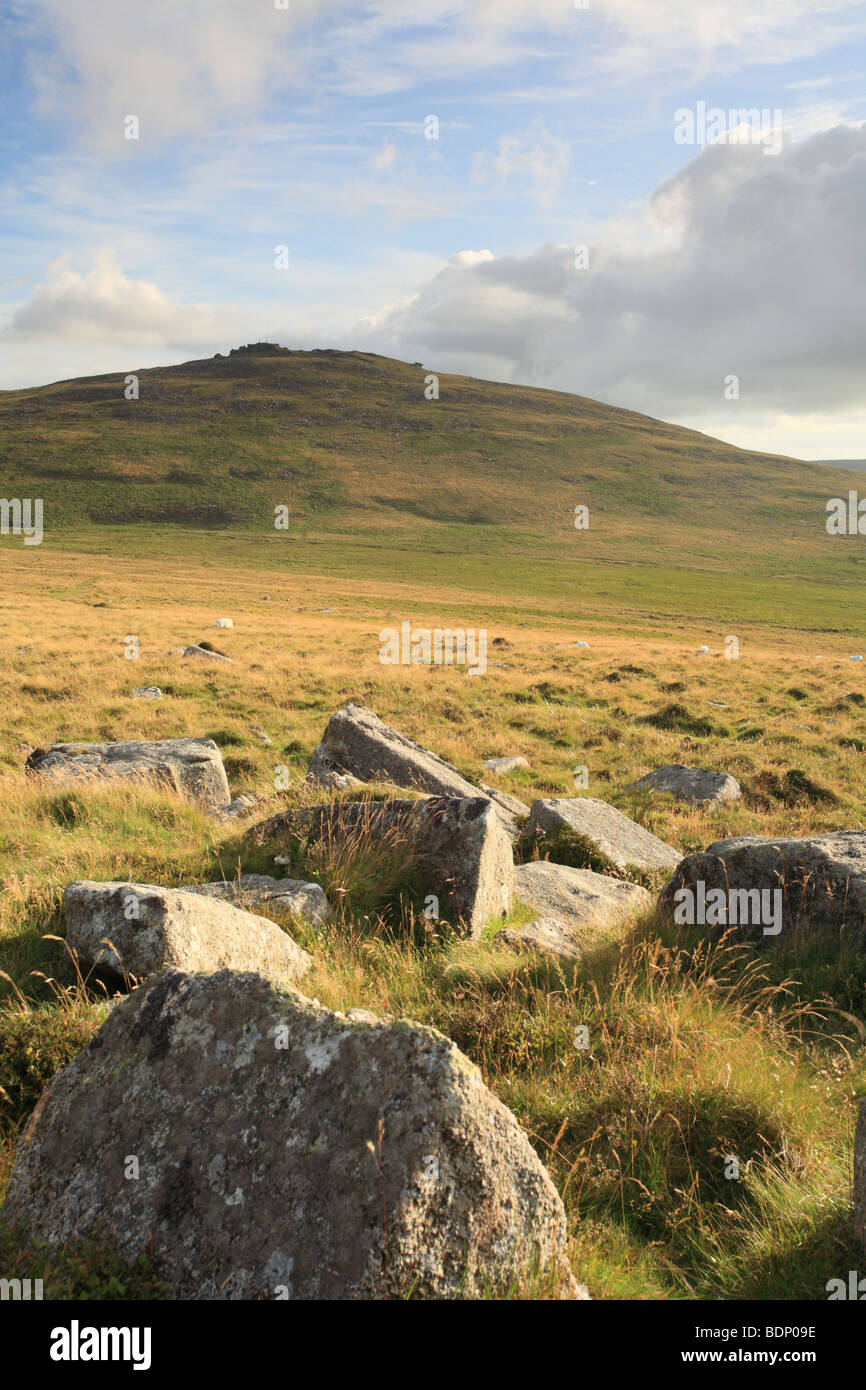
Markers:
379,479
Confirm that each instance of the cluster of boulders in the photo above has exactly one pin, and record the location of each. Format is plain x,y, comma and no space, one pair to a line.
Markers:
285,1150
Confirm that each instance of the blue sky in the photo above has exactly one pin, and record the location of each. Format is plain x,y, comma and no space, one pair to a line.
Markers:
304,127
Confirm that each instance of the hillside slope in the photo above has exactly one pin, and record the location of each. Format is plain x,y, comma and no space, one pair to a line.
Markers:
348,442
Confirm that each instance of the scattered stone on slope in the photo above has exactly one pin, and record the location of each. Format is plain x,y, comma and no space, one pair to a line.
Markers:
796,884
243,805
272,1135
193,767
459,842
504,764
696,784
148,692
621,841
248,891
224,622
136,929
207,654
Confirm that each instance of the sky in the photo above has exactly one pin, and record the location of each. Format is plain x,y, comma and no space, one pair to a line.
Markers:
656,203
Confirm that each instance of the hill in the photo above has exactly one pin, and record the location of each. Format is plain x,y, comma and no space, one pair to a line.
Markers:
377,478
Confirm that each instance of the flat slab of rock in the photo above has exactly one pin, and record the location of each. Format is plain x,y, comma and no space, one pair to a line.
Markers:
504,764
696,784
138,929
548,936
578,898
191,767
459,841
293,895
819,879
252,1113
621,841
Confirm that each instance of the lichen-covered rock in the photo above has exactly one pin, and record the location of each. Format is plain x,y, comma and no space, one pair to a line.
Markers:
696,784
293,895
137,929
459,843
285,1151
358,742
802,883
578,898
192,767
622,842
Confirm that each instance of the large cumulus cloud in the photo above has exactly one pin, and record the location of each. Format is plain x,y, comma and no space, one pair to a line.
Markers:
752,266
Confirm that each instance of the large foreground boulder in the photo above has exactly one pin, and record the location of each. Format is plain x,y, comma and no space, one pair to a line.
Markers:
285,1151
306,900
459,843
191,767
764,888
696,784
137,929
622,842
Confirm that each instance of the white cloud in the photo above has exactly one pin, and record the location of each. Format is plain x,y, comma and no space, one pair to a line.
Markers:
184,66
104,305
751,266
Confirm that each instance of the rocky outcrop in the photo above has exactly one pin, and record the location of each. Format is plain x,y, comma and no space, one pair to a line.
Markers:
256,1145
137,929
191,767
696,784
622,842
459,843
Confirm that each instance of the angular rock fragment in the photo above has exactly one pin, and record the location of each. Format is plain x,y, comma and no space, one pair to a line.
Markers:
136,929
460,844
621,841
191,767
